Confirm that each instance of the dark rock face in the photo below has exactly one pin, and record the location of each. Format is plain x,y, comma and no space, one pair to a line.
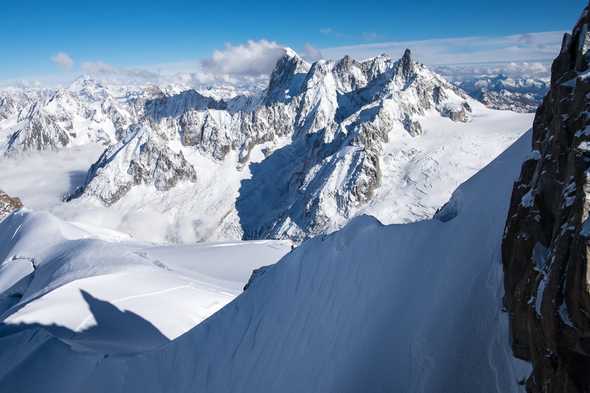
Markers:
8,204
546,242
160,166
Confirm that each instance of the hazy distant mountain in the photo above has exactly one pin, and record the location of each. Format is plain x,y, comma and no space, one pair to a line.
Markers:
507,93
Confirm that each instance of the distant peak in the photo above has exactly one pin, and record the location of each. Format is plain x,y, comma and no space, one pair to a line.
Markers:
290,53
407,59
284,76
407,63
83,81
346,63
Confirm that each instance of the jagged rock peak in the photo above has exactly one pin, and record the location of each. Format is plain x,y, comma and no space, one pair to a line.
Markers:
8,204
406,65
346,62
545,251
286,78
407,57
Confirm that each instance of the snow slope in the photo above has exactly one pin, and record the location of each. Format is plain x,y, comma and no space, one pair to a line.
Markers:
419,174
373,308
100,291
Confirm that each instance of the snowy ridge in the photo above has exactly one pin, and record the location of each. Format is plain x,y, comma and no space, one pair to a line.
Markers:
100,291
337,314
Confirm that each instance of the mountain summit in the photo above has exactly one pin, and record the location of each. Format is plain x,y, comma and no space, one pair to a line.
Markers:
322,127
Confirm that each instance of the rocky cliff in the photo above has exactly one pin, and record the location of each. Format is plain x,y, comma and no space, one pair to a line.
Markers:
547,237
139,158
8,204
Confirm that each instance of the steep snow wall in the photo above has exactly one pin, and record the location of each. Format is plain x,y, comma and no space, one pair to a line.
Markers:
372,308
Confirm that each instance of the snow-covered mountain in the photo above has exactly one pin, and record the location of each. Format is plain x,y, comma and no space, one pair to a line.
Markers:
84,112
506,93
323,143
100,290
490,294
372,308
301,158
13,100
139,158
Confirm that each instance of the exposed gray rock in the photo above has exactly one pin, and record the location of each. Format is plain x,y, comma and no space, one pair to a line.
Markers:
286,79
546,243
141,158
8,204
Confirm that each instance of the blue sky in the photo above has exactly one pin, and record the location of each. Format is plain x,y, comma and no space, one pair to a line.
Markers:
134,34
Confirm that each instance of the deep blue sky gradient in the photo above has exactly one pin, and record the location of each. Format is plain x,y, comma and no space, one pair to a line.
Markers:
132,33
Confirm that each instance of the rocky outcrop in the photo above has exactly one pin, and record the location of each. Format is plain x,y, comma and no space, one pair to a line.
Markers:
546,244
8,204
140,158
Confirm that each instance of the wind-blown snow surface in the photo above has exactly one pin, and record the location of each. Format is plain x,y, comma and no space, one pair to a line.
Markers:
100,292
372,308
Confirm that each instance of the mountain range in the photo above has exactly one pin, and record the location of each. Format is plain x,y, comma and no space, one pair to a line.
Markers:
426,242
321,144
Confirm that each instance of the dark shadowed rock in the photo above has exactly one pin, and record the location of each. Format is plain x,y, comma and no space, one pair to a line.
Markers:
546,242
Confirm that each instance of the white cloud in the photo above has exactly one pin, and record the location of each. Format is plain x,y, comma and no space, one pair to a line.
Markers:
63,60
540,70
105,70
253,58
530,47
97,67
311,53
370,36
